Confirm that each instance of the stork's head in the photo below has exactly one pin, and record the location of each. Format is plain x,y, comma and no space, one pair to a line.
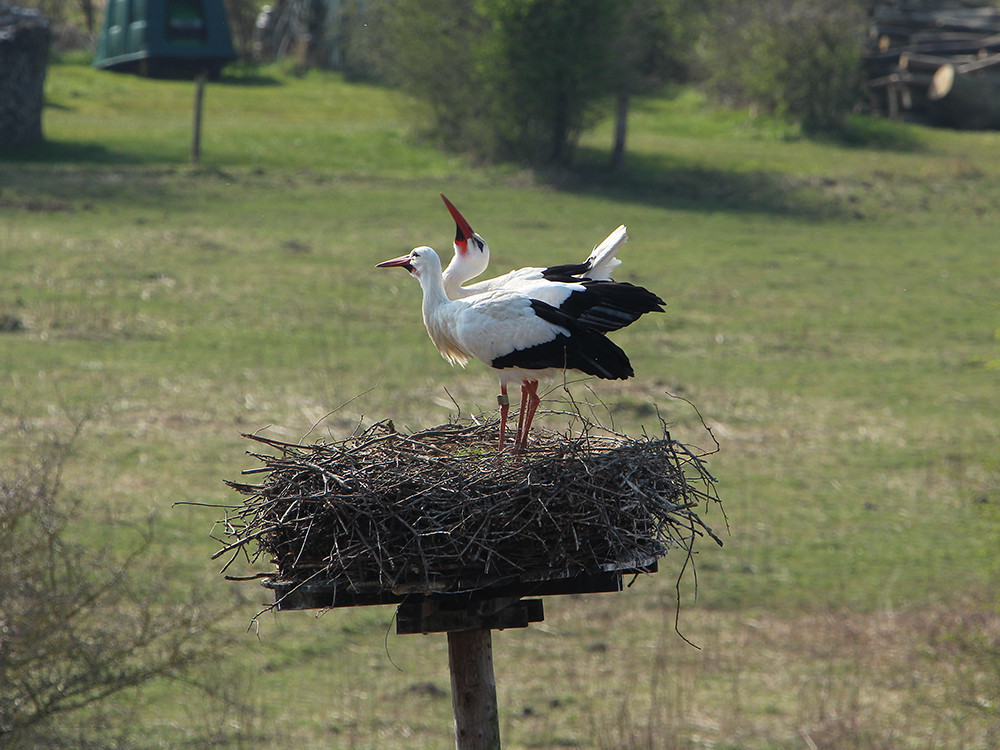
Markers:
472,254
419,261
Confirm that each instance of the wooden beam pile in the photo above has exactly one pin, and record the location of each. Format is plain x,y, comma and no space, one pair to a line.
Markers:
937,65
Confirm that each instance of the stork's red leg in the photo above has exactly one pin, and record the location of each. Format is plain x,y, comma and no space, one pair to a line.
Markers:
504,410
520,417
529,403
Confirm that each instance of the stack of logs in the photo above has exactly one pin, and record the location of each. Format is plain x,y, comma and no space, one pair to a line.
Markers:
940,66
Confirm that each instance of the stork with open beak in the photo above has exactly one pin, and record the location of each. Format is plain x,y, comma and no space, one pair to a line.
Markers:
526,339
552,284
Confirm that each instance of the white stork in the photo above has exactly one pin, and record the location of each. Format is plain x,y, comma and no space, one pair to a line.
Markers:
525,339
472,256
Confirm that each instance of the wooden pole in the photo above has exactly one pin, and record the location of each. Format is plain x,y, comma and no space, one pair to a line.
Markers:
199,95
473,690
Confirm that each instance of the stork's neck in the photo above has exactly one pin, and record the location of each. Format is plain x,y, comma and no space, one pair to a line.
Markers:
461,269
453,277
432,282
467,264
440,315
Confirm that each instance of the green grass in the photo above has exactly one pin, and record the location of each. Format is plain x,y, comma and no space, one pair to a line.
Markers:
833,311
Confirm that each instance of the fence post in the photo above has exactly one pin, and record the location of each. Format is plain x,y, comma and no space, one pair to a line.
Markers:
199,95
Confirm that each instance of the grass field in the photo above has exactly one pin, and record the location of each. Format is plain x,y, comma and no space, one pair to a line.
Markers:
833,312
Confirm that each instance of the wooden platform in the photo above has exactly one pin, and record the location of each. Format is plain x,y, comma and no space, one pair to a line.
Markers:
470,604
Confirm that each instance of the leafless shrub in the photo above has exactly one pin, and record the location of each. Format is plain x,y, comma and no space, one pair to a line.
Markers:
79,622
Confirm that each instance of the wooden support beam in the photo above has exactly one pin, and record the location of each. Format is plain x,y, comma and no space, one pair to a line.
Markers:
473,690
447,614
291,595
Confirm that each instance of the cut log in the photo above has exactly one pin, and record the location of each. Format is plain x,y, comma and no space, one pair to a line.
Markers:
979,64
979,46
982,20
903,78
909,44
915,61
934,36
969,47
968,100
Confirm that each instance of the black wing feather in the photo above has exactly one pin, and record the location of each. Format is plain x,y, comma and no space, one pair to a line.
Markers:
609,305
568,272
584,349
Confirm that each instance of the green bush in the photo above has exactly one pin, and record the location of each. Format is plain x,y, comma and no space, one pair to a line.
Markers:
798,59
359,27
548,66
504,79
430,49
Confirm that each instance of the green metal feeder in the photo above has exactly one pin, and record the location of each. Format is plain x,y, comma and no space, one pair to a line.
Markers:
165,38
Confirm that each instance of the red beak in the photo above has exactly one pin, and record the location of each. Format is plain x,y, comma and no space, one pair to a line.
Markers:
463,232
402,260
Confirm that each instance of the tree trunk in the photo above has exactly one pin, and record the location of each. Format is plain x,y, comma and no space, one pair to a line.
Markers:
87,6
621,125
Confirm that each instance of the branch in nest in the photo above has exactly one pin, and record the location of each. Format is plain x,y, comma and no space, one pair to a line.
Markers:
384,510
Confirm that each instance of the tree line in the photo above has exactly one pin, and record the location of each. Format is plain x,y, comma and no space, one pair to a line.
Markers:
520,80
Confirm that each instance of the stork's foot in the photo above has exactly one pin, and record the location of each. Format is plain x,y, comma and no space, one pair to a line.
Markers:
504,404
529,403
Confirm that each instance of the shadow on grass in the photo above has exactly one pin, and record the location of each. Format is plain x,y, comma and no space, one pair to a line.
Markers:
246,76
862,131
71,152
663,182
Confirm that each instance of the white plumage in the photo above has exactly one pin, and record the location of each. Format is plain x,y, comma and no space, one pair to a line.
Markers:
552,285
524,338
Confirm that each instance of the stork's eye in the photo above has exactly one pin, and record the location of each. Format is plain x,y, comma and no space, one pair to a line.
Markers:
479,243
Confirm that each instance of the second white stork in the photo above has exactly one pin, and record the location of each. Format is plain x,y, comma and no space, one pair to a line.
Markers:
525,339
552,284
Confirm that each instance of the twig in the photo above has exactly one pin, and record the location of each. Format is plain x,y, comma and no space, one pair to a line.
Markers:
388,509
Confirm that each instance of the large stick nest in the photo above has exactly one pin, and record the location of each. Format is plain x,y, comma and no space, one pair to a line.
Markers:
440,510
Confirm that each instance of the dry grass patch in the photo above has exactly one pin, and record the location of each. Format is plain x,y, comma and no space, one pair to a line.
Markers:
894,679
